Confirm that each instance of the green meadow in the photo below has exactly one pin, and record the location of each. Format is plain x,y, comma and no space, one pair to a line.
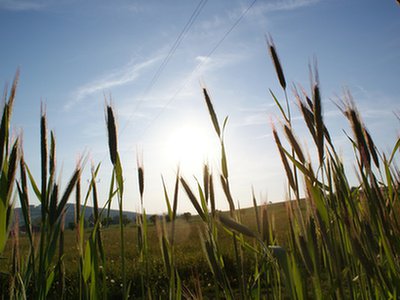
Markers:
191,263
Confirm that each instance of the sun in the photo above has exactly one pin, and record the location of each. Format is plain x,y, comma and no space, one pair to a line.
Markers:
190,145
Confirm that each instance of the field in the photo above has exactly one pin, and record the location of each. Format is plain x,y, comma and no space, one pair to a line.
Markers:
340,242
190,262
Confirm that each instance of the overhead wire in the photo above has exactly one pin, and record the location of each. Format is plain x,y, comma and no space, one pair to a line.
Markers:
202,62
177,42
167,58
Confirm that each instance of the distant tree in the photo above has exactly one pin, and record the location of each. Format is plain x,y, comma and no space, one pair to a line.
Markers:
36,221
167,218
71,225
187,216
153,219
107,221
91,220
115,219
125,220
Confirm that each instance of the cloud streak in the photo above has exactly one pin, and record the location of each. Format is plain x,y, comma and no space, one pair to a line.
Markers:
206,64
126,74
286,5
16,5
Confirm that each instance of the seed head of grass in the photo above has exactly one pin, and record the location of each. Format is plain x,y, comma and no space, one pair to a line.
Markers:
68,190
307,113
176,192
78,200
206,178
94,194
52,164
23,194
12,166
226,189
212,113
285,162
112,134
318,120
232,224
212,195
276,61
359,135
43,145
348,108
265,226
193,199
293,142
140,170
372,148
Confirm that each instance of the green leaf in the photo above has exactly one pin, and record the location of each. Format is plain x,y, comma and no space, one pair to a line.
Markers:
33,184
3,226
178,287
165,249
224,126
87,262
49,281
118,175
299,165
202,199
394,151
110,195
224,163
279,106
170,214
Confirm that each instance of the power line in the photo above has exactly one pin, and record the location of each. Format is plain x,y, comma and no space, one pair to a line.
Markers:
221,40
177,42
168,57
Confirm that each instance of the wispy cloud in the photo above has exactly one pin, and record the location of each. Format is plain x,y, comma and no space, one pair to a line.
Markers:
220,22
285,5
124,75
206,64
261,108
367,104
184,87
16,5
263,136
255,115
255,119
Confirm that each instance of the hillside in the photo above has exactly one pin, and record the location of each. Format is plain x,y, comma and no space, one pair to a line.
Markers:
35,213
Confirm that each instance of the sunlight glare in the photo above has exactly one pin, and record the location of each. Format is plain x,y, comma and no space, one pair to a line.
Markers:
190,146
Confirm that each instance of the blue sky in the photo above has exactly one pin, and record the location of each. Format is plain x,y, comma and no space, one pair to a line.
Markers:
73,54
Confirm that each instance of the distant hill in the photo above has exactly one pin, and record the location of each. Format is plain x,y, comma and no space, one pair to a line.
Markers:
35,212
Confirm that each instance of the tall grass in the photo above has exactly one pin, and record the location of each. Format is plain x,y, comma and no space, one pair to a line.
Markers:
342,241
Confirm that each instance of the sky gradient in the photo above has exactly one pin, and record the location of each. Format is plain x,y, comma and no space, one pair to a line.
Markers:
75,54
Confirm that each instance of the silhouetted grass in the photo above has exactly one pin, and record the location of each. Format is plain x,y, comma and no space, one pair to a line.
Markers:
338,242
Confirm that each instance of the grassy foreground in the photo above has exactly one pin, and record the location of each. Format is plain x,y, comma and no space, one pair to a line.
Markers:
190,259
340,242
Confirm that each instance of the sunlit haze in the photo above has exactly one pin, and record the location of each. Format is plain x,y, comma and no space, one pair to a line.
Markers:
189,146
152,59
